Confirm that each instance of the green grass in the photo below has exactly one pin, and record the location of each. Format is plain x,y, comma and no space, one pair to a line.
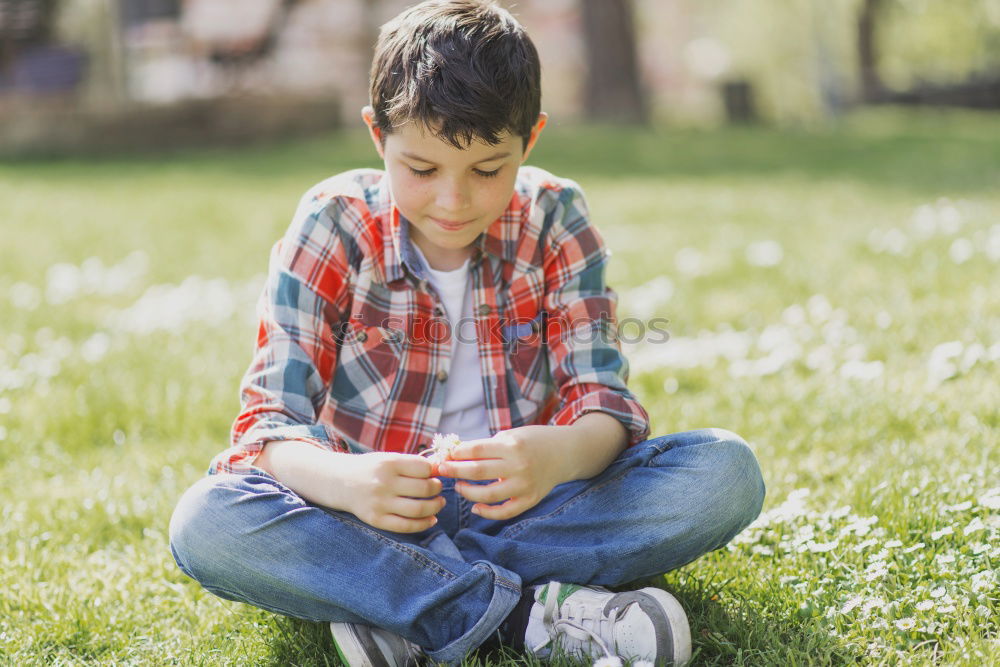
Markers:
97,447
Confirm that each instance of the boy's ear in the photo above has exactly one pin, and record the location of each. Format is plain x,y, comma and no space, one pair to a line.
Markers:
543,119
368,115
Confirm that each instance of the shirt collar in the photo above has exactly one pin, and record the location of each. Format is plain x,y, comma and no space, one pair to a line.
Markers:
499,240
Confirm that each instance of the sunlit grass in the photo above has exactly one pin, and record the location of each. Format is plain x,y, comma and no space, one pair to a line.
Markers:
102,428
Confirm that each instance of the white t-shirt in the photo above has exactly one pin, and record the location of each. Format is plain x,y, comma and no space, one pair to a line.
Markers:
464,410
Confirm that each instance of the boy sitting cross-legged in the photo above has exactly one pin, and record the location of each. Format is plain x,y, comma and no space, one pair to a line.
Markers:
456,291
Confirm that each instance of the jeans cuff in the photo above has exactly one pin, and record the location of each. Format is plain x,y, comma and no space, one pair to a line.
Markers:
506,594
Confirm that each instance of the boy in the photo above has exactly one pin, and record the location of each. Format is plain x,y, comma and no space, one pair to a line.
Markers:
456,291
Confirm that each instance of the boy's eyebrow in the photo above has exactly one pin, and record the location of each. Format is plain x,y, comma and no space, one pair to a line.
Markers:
495,156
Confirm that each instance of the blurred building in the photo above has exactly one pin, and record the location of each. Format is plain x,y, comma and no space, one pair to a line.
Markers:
304,63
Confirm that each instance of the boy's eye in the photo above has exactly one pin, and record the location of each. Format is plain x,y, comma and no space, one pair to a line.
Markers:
488,174
421,172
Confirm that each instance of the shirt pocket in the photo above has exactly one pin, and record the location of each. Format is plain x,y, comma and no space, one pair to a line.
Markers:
368,365
527,356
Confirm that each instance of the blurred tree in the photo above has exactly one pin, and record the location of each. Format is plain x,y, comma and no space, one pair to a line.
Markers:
872,89
613,89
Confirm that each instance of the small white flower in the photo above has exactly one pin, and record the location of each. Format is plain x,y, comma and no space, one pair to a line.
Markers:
944,559
990,499
765,253
872,604
877,570
946,609
918,545
938,534
608,661
973,526
960,507
851,604
905,624
924,605
442,446
861,546
938,592
822,547
893,544
983,581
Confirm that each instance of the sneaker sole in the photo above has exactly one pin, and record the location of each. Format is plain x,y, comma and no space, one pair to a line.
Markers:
680,630
356,646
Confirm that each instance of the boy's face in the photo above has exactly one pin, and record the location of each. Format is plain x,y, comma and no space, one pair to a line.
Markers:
449,195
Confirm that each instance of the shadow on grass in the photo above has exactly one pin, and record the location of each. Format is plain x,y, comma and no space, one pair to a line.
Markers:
734,633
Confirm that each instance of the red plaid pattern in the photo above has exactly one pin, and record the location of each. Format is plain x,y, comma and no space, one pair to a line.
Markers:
352,350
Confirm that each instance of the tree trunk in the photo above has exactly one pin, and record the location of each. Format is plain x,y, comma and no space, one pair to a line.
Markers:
872,90
613,90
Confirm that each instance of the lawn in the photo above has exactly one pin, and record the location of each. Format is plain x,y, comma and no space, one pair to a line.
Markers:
833,295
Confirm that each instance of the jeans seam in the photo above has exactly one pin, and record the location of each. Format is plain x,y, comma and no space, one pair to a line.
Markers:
402,548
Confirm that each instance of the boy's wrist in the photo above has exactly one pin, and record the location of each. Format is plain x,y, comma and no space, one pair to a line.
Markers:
307,470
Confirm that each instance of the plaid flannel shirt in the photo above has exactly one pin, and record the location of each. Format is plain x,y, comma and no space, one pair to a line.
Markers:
353,344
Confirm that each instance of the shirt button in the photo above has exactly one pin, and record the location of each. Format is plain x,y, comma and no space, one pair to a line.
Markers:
484,309
442,375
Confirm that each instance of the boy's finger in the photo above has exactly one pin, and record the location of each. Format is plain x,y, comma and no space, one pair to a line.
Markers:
415,466
476,449
508,510
477,469
399,524
484,493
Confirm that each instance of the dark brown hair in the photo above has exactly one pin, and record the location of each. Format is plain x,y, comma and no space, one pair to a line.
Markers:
465,69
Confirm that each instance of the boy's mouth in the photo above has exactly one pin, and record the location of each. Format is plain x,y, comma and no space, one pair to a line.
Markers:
450,225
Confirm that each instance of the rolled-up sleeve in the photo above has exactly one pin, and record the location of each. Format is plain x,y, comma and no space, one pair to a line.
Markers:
284,389
585,357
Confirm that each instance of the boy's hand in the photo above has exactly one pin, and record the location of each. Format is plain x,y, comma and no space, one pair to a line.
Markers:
523,460
394,492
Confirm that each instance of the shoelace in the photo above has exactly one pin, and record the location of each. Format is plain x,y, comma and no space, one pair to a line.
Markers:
563,624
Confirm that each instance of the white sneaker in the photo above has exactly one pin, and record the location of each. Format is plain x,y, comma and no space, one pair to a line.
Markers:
365,646
647,624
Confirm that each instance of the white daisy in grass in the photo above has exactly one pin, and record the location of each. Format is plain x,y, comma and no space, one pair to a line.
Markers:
850,605
905,624
876,570
918,545
960,507
442,446
990,499
893,544
974,526
872,604
924,605
608,661
938,592
938,534
983,581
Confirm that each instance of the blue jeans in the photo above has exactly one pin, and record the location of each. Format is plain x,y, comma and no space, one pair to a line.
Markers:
660,504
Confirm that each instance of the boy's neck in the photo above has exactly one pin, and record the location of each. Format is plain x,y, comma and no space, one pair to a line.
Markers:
442,259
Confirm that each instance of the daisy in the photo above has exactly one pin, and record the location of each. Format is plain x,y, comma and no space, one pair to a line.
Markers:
441,447
905,624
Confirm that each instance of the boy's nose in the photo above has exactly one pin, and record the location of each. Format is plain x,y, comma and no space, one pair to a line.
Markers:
452,198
